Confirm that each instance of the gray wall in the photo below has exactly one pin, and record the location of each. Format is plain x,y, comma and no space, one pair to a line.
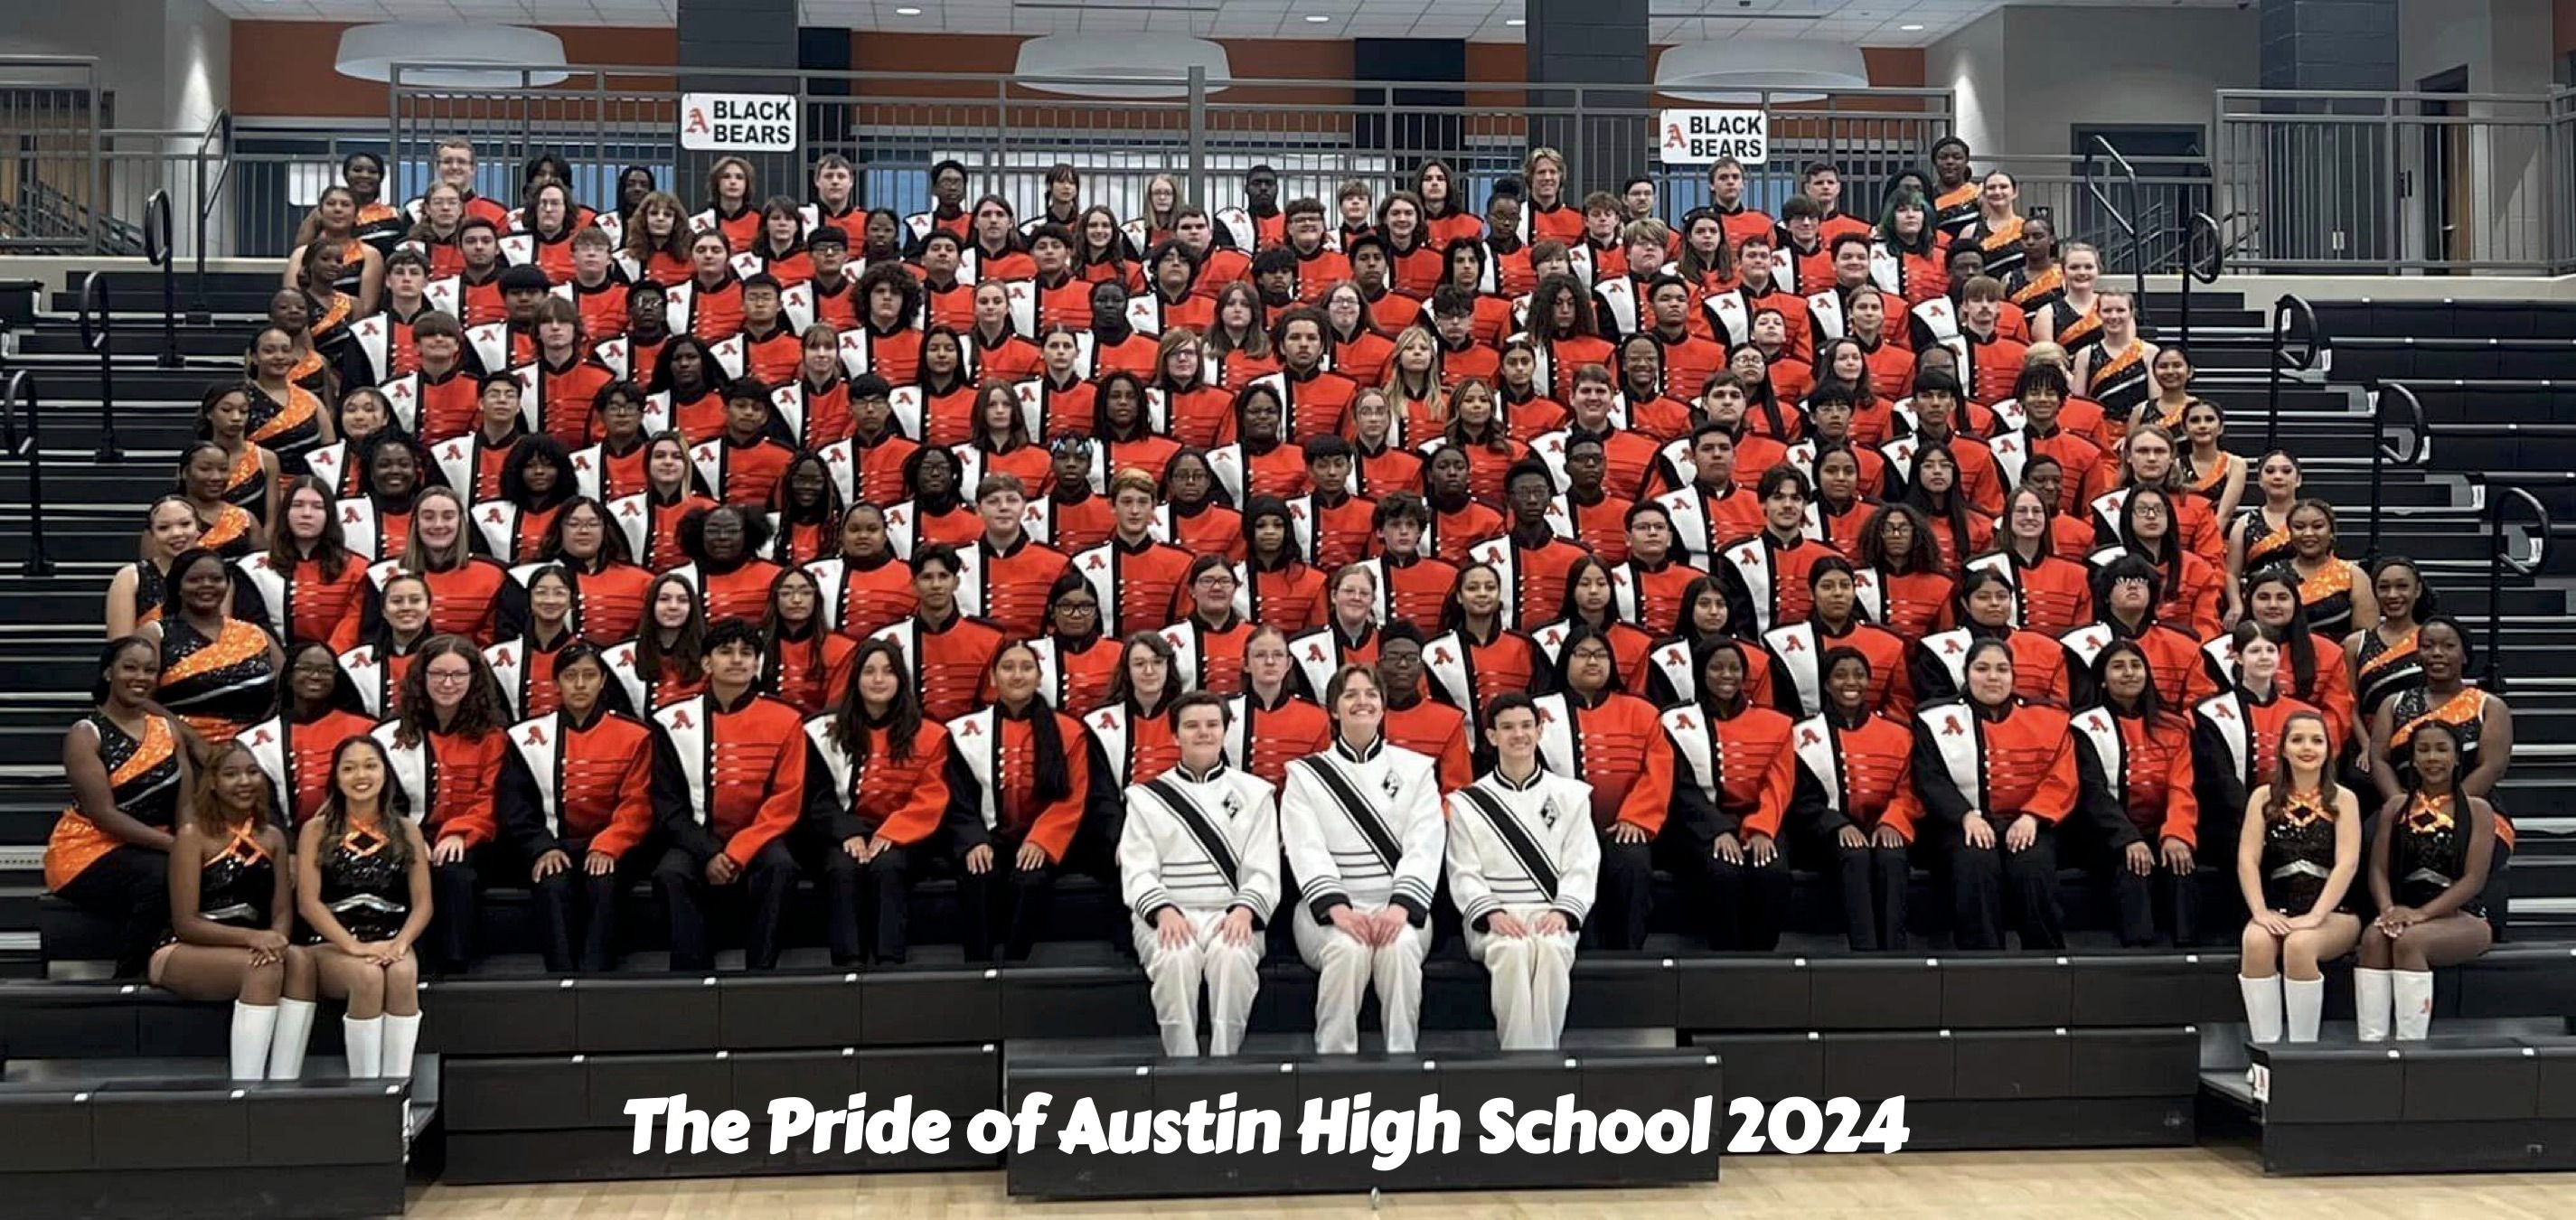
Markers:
2506,47
2024,76
169,62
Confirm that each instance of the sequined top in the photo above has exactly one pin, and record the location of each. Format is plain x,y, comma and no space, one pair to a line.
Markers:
142,777
236,886
2430,851
365,885
2298,856
2384,670
219,685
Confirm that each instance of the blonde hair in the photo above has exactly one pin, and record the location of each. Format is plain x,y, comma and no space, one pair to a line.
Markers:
1435,403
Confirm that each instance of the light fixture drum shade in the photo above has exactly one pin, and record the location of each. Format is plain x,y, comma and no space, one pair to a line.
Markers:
517,56
1741,69
1134,66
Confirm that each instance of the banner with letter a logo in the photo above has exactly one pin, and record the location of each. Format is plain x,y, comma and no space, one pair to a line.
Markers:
1700,137
738,122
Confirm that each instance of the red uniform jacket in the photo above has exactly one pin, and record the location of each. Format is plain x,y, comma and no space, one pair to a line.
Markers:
590,784
1855,775
2022,761
1734,775
1618,746
1438,732
730,779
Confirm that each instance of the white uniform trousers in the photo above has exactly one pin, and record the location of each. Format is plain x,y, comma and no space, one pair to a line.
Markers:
1348,968
1532,975
1232,973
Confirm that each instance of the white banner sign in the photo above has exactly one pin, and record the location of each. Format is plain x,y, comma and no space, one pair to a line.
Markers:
1699,137
738,122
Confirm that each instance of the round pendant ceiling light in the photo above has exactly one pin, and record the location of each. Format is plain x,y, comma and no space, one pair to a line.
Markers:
1130,66
458,55
1749,69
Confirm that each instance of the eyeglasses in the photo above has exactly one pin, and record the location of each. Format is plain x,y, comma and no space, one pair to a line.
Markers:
449,677
1079,607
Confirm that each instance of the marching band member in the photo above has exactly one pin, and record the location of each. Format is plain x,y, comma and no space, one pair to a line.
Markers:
1198,858
1523,859
1364,834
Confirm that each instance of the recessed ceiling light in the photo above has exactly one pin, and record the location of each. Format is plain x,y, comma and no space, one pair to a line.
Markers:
1515,21
1911,29
907,11
1318,18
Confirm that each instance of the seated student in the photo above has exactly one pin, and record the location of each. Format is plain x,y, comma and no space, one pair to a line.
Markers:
444,743
1522,868
1732,780
362,887
523,665
1410,584
1434,729
803,661
318,708
1006,575
2052,594
1854,796
1020,779
1591,604
743,463
2133,762
1593,731
1198,860
728,785
1990,757
1207,643
1535,563
1796,651
880,794
1136,574
666,658
2127,605
576,798
231,911
1362,828
949,653
2428,864
1765,576
1131,733
2236,733
2297,851
1938,668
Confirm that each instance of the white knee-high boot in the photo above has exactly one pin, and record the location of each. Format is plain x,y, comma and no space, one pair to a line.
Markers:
2306,1005
402,1036
2413,993
2262,1007
2372,996
366,1045
253,1026
294,1030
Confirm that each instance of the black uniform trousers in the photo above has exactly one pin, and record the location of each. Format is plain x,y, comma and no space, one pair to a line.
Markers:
762,890
1981,880
131,886
1742,906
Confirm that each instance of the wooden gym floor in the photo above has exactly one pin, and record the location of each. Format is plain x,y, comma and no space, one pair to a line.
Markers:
2220,1182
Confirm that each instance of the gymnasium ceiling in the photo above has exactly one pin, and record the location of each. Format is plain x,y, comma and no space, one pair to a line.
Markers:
1877,23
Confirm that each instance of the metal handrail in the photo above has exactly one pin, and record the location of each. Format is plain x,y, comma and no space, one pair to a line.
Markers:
2200,224
2419,449
2500,554
2290,308
2102,146
98,334
220,125
157,252
20,390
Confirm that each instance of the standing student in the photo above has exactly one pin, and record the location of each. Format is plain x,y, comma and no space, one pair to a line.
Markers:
362,886
1522,866
2427,865
1198,860
1364,834
2296,855
231,909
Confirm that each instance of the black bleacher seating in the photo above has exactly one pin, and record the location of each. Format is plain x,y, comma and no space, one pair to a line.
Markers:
138,1149
2447,1105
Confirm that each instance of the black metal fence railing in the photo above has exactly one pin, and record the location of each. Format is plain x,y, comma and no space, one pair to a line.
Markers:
18,396
157,251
